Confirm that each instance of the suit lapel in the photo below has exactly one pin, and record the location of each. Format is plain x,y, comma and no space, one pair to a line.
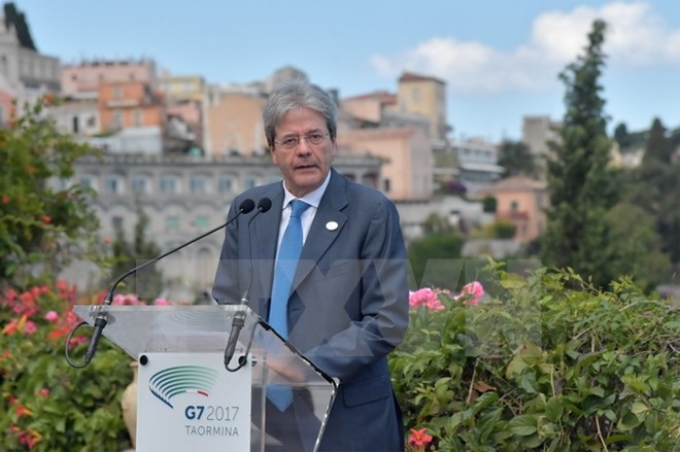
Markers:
321,233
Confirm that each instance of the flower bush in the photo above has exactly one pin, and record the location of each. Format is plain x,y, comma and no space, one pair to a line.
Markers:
548,363
43,222
47,404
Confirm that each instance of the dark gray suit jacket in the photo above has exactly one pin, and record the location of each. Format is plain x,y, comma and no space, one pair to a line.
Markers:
349,304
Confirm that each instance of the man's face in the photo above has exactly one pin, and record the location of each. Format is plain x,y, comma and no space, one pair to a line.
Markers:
305,165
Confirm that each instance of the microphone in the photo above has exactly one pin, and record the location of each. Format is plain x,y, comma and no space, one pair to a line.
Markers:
246,206
240,316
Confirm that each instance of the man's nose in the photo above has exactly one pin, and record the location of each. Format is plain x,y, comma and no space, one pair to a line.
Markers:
303,147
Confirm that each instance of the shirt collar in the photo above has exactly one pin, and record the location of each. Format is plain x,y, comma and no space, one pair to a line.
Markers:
312,198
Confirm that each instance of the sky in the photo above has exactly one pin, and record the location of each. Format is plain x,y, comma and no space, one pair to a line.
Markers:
500,59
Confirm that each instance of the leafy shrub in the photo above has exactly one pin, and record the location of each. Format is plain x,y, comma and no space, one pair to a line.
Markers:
489,204
40,224
550,363
47,404
504,229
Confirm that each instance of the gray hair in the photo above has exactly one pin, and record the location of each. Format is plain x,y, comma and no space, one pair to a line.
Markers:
298,93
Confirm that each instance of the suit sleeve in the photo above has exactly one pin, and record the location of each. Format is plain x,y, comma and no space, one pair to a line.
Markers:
383,300
225,287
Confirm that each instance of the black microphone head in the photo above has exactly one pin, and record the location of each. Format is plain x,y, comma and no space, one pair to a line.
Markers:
247,206
264,205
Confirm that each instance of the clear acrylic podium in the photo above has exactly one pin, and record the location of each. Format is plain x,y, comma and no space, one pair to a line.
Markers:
188,400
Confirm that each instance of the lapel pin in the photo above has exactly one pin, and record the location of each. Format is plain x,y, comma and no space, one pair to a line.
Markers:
331,225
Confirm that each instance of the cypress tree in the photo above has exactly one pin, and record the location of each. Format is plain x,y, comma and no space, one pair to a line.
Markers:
579,182
658,146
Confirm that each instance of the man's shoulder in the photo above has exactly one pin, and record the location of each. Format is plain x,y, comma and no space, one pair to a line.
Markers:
365,193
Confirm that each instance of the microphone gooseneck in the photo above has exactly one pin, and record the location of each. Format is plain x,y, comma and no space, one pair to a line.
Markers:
239,319
101,319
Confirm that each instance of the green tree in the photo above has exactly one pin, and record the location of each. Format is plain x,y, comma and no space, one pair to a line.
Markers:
579,182
658,145
489,204
148,282
621,135
435,260
44,222
517,159
635,246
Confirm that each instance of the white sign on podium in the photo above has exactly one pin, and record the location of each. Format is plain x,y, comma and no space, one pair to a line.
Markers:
189,402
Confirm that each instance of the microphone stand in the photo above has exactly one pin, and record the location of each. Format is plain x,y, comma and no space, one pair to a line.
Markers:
239,319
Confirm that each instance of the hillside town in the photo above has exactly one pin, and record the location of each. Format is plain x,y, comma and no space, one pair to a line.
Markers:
182,147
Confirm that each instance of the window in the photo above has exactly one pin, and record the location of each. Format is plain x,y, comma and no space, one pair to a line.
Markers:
117,223
87,182
169,184
139,116
112,185
117,119
225,185
117,92
198,184
250,182
386,185
171,222
514,205
139,184
202,221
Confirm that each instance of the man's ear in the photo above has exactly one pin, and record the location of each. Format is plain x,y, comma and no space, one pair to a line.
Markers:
272,152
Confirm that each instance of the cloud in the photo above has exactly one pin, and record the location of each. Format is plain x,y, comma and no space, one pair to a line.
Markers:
637,37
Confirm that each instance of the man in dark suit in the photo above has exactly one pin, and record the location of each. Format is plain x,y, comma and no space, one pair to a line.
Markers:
348,304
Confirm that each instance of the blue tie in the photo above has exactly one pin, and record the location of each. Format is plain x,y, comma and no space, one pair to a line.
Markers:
289,254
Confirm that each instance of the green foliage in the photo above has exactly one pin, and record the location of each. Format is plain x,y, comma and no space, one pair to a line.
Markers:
148,282
47,404
504,229
517,159
437,224
551,363
579,182
40,224
635,246
435,257
489,204
658,146
621,136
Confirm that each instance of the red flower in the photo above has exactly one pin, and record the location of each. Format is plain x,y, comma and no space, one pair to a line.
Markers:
5,199
31,169
47,219
49,99
419,438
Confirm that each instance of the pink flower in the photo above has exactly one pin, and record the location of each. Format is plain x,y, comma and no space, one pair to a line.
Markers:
425,297
44,392
51,316
473,290
161,302
419,438
30,327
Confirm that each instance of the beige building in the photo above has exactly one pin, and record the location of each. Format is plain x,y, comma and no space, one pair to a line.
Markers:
181,87
82,80
523,202
234,125
407,172
426,96
537,131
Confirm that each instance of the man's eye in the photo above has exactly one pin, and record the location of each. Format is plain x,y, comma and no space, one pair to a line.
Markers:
315,136
289,142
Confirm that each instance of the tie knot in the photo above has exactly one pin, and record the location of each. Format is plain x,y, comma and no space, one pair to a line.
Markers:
298,207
